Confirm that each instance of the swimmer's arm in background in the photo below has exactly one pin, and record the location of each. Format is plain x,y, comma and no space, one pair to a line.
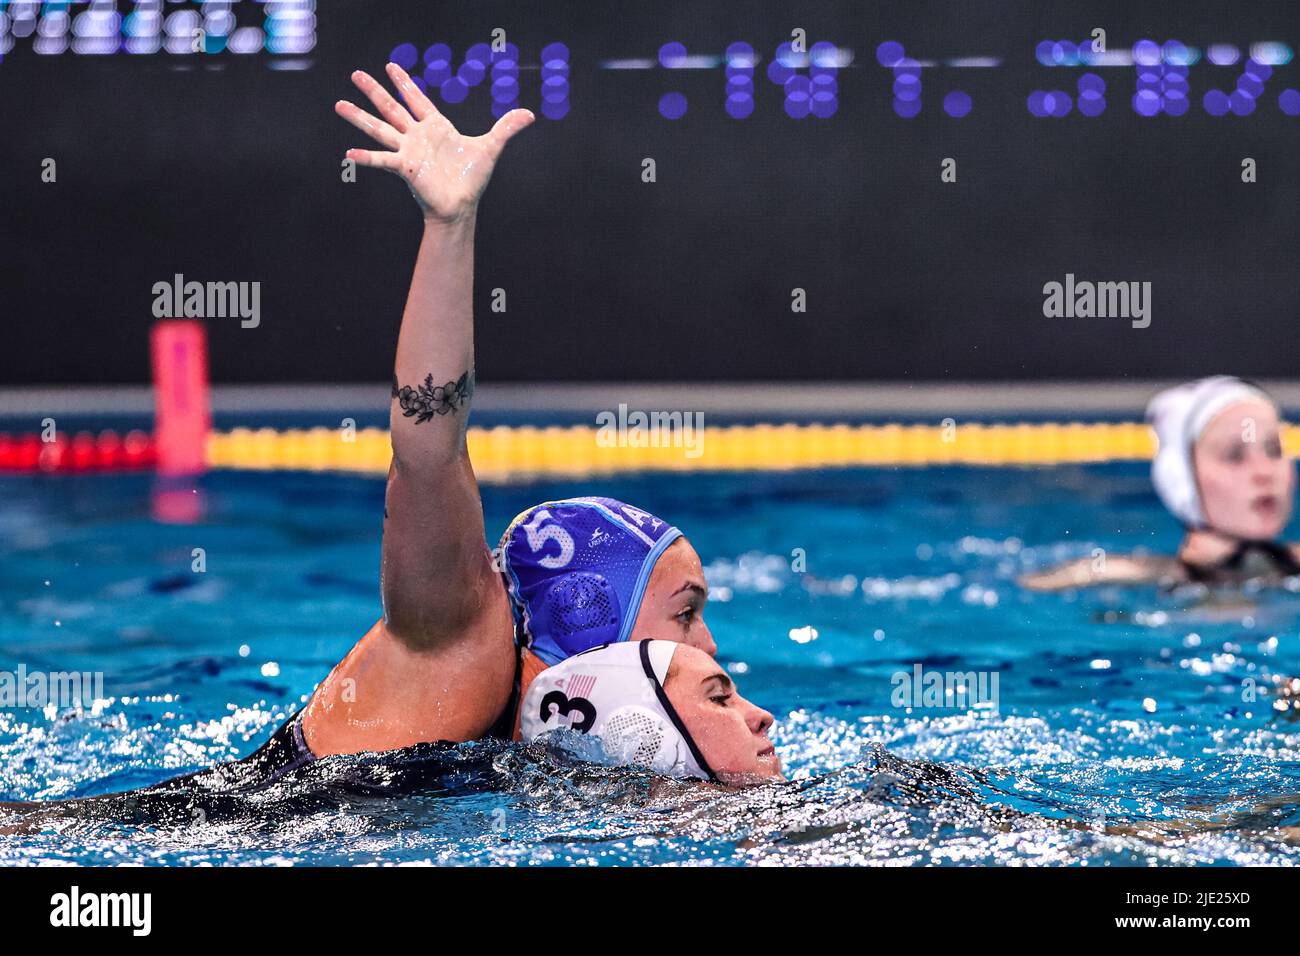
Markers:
1262,816
1090,572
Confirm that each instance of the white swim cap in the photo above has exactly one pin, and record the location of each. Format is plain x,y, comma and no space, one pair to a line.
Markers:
1179,415
616,692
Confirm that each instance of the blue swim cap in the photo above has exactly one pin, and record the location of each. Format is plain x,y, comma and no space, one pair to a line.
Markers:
577,570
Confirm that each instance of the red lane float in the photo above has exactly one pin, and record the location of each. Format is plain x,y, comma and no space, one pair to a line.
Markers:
86,451
182,419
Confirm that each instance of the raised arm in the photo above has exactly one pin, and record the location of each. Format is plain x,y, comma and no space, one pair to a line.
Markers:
437,576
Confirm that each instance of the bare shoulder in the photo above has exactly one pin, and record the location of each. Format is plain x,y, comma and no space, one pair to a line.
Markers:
1105,569
387,693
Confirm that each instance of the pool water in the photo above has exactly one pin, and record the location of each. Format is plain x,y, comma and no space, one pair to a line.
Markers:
1124,732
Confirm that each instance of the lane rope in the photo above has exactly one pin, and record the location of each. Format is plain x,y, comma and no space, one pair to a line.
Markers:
509,453
514,453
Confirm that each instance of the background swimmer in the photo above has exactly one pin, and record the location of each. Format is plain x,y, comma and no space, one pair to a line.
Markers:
1221,470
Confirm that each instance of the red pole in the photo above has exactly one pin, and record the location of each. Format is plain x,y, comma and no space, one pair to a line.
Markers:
182,404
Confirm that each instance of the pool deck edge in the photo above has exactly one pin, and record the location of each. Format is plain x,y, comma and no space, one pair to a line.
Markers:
788,399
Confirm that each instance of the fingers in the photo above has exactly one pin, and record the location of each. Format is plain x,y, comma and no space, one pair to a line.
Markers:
389,108
419,104
506,127
366,157
377,129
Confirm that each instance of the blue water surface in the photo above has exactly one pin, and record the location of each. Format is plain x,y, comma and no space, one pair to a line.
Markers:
1130,726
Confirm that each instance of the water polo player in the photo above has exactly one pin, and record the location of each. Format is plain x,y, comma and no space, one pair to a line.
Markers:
1221,470
462,631
662,705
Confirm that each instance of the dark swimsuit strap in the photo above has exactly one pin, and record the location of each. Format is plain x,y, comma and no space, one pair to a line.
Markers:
504,726
1283,561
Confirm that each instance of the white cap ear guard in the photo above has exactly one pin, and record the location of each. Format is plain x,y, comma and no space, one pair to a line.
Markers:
615,692
1179,416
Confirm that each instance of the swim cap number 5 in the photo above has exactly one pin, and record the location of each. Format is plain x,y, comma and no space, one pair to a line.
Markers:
538,536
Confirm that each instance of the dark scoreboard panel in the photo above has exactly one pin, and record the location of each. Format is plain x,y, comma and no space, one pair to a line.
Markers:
750,191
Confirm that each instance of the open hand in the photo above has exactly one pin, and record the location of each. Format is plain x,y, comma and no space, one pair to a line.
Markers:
445,170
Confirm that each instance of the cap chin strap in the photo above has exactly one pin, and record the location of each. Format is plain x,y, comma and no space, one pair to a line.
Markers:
671,711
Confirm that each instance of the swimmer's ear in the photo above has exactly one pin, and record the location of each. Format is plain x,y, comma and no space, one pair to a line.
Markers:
506,127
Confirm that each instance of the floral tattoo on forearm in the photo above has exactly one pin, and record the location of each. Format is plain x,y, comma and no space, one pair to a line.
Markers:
427,400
